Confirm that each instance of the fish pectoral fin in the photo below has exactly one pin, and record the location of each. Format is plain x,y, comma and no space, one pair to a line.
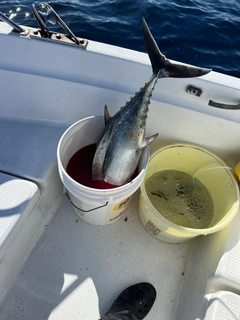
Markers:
148,140
107,117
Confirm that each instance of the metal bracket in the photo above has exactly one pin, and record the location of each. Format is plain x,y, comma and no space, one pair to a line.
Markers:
14,25
51,16
194,91
43,33
58,37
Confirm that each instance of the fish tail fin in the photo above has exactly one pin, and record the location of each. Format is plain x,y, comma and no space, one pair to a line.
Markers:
162,66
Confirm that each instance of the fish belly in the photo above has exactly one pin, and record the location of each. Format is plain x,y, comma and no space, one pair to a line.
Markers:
121,166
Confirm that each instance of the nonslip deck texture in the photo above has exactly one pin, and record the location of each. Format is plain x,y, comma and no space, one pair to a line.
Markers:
17,198
76,270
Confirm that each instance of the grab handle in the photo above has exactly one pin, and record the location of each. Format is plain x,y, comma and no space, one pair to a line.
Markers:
224,105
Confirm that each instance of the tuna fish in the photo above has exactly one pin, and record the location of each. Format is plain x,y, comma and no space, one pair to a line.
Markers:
123,139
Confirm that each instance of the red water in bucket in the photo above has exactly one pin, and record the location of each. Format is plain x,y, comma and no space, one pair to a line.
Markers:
79,168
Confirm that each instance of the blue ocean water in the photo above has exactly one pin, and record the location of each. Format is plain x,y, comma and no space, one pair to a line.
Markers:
201,32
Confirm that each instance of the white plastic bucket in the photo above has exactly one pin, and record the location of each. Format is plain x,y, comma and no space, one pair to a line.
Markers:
95,206
220,183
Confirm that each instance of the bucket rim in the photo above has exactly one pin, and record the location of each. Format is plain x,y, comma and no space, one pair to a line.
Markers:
197,231
189,145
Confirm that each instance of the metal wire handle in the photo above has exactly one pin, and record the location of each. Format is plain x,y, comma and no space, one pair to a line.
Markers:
104,205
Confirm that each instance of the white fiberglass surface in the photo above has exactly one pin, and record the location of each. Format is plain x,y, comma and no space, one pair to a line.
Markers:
76,270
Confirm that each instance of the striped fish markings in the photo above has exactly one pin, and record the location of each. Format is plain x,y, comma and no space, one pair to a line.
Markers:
123,139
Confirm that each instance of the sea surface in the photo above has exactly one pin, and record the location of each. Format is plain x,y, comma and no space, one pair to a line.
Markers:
205,33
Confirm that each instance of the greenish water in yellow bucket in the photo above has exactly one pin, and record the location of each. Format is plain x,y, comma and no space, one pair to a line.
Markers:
180,198
187,191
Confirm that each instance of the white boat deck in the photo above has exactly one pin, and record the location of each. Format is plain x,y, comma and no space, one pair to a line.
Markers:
55,266
76,270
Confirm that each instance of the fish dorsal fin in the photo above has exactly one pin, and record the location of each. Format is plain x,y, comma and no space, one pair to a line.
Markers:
107,117
148,140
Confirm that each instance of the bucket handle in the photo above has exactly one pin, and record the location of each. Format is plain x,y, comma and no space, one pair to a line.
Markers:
104,205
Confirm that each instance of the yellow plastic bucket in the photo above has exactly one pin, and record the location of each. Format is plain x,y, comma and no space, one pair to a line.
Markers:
213,173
